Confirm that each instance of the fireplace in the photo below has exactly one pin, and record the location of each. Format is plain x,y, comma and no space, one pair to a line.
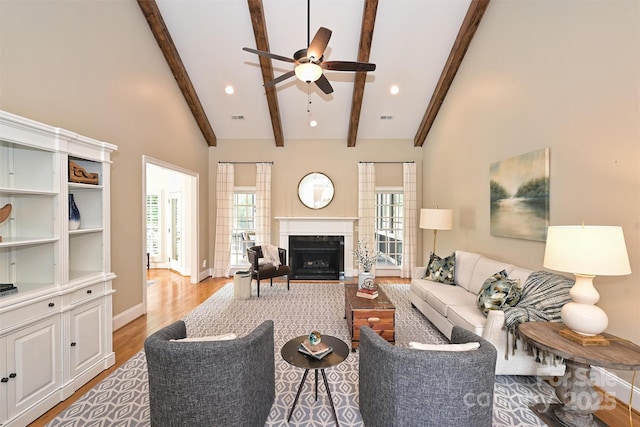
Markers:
342,227
316,257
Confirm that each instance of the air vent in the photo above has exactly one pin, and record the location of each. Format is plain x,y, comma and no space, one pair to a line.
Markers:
386,117
237,117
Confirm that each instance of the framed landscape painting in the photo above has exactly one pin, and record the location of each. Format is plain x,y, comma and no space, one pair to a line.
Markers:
520,196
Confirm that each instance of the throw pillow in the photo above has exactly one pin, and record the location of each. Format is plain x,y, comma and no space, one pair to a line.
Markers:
223,337
498,292
441,269
445,347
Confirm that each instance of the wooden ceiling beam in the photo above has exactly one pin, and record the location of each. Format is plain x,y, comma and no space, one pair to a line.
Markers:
463,40
262,43
364,50
161,33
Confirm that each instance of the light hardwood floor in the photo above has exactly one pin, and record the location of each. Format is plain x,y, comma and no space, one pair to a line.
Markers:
171,297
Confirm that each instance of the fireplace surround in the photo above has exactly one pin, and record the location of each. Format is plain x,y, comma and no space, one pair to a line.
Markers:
321,226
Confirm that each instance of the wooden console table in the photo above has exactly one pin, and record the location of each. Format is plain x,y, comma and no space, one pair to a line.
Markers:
575,390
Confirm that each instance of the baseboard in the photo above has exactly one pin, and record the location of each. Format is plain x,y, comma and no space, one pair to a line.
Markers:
616,386
127,316
204,274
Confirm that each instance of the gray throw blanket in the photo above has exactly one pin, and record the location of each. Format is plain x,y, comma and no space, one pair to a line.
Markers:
543,296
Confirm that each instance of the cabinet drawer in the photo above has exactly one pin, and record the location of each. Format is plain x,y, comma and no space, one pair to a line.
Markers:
31,311
87,292
381,321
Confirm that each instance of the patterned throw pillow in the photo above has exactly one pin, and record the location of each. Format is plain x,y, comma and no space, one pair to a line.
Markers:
498,292
441,269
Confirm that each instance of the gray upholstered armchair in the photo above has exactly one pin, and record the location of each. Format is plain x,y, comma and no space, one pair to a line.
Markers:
267,271
222,383
408,387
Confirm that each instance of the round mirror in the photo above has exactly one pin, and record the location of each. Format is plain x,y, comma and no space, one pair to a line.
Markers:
315,190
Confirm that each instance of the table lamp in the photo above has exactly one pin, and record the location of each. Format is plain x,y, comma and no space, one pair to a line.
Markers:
586,251
436,219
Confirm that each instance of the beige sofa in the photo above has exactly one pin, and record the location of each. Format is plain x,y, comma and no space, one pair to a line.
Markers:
447,306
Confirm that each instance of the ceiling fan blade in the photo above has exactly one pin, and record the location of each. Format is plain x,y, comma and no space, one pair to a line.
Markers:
348,66
324,85
319,43
268,54
277,80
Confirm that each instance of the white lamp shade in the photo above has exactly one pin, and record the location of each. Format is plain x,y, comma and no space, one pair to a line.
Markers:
436,219
308,72
590,250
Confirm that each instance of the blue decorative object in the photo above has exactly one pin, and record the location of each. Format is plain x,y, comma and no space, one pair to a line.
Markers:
315,338
74,214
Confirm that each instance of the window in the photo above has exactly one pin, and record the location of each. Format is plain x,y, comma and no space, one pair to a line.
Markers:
389,215
153,225
244,225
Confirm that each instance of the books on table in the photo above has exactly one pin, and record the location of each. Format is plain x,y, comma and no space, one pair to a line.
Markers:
318,351
367,293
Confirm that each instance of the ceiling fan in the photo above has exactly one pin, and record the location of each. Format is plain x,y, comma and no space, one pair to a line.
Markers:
309,64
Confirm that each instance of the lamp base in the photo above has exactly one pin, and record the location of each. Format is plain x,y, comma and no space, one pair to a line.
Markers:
584,340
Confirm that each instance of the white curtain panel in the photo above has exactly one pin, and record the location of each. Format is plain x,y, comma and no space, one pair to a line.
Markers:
224,220
410,221
367,205
263,203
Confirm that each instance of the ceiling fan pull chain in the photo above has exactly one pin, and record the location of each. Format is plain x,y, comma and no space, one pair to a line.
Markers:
309,98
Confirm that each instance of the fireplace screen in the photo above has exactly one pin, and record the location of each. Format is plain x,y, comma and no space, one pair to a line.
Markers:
316,257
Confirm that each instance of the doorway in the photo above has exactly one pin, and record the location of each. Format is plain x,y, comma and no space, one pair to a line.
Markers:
170,220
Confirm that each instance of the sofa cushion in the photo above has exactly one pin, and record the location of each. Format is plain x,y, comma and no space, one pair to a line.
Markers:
441,269
484,268
465,263
443,296
468,317
498,292
422,286
519,273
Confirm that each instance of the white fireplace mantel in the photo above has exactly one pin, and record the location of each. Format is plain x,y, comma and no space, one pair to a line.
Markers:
321,226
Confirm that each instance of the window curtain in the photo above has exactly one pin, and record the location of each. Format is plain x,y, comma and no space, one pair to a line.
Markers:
263,203
367,205
224,220
410,221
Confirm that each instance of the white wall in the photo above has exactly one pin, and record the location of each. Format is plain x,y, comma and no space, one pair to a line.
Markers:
558,74
93,67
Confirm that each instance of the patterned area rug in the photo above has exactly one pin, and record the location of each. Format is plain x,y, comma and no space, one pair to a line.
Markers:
122,398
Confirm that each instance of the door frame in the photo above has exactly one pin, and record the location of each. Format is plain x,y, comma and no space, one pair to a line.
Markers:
190,218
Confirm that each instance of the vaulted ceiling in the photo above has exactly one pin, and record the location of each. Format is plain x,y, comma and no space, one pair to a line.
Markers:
417,45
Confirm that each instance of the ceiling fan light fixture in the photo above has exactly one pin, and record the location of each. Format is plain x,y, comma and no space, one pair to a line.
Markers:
308,72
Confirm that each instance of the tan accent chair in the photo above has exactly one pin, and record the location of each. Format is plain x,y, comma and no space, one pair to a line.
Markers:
261,271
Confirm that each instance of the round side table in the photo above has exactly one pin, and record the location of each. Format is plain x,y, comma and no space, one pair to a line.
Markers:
575,390
292,356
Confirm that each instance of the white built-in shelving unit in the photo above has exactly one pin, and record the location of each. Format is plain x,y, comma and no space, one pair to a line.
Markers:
56,331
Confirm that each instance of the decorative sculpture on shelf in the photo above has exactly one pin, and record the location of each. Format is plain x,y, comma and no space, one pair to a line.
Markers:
79,174
4,214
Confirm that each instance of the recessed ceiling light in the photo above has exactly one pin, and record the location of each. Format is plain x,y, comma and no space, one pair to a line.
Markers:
229,90
313,123
394,90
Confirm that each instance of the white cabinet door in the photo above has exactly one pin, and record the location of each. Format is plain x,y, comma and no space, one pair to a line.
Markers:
34,364
87,337
4,377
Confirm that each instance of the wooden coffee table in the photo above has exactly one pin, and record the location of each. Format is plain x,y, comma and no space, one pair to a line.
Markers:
379,314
